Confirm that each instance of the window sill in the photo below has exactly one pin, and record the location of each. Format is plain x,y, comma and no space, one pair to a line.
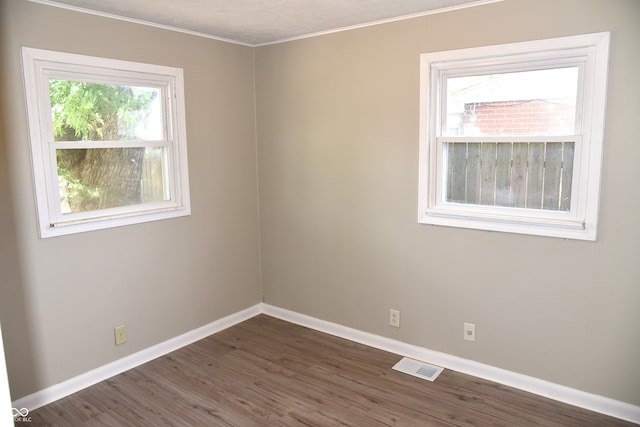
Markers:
567,229
80,226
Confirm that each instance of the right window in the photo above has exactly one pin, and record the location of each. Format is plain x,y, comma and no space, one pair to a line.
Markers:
511,136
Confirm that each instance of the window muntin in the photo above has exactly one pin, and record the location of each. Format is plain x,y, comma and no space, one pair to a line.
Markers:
525,174
108,141
528,174
93,176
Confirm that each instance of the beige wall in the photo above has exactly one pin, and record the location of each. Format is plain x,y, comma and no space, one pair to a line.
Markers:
337,158
338,173
60,298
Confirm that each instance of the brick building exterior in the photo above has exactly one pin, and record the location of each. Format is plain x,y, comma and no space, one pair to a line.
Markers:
530,117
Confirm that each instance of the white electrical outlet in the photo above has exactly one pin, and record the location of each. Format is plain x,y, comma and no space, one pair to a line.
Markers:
121,334
394,318
470,332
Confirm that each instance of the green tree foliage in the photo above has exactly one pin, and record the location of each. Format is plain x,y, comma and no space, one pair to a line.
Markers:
92,111
98,178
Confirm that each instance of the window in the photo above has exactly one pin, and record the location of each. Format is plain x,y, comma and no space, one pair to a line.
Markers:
511,136
108,141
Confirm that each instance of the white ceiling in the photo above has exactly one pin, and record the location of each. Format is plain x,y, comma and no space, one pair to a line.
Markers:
258,22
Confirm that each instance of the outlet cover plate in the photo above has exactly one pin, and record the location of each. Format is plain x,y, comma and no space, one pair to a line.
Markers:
394,318
121,334
470,332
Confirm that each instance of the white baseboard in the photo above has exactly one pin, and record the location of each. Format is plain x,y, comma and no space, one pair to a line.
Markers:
592,402
537,386
72,385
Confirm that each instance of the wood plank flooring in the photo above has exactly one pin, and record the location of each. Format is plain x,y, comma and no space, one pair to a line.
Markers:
267,372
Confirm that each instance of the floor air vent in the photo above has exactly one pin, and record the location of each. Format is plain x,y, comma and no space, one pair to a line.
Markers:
418,369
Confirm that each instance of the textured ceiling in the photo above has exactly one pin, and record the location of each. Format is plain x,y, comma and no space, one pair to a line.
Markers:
256,22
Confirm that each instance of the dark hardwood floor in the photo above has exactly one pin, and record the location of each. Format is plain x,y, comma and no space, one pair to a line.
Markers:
267,372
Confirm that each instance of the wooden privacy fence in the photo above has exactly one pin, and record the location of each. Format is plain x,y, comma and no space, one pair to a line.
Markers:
534,175
153,188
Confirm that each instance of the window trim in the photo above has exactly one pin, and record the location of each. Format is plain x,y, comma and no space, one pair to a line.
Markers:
581,222
41,65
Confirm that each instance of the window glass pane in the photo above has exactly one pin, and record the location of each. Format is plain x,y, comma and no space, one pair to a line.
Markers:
541,102
531,175
83,111
102,178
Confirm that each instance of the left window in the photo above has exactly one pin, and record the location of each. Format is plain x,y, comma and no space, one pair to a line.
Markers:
108,141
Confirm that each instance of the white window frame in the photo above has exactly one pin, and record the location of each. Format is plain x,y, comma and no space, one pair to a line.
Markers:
41,65
590,53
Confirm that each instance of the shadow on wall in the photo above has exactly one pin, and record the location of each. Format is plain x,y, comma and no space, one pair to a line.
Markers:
17,333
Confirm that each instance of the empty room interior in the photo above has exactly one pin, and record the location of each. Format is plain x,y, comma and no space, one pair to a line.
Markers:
312,177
